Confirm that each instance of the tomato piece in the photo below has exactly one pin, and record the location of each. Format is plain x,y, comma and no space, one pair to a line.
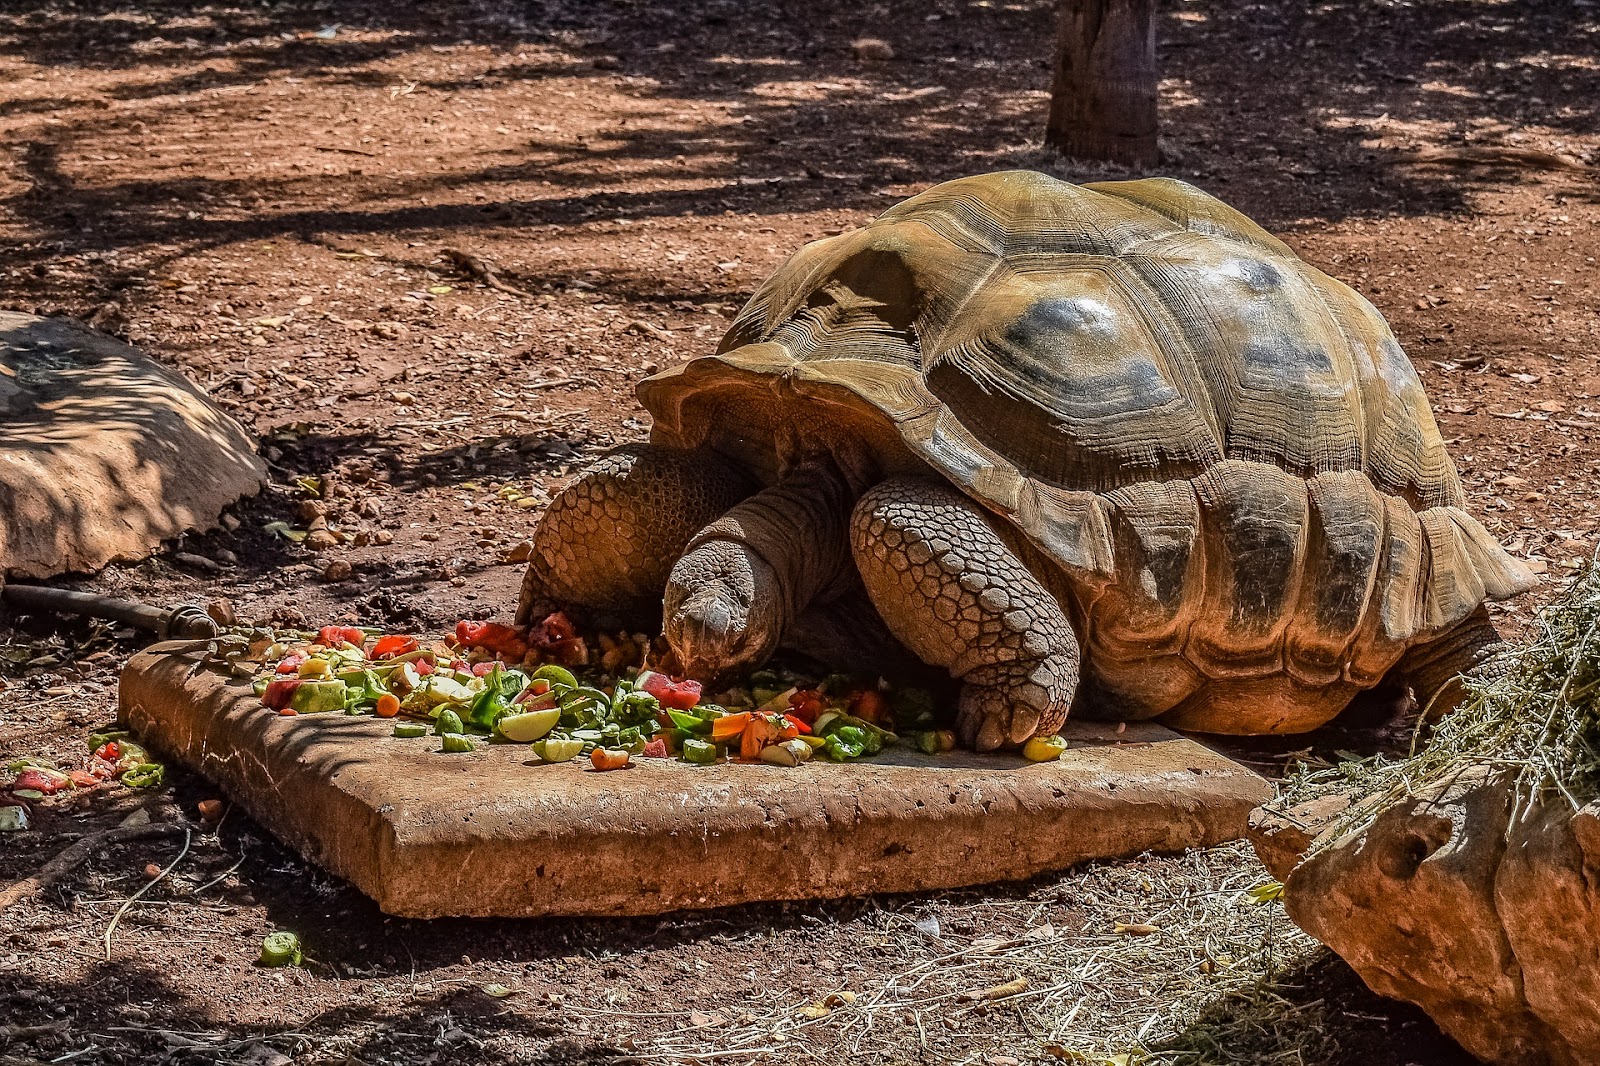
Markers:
730,725
869,705
110,751
291,662
491,636
388,705
40,781
807,705
336,636
656,748
482,669
83,778
279,693
423,667
390,646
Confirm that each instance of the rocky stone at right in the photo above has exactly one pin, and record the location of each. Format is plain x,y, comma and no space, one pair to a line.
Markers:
1489,922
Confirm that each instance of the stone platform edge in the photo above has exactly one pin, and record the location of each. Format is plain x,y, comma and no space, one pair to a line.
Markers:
494,834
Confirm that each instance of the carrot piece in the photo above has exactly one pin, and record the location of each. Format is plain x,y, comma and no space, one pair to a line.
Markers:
388,705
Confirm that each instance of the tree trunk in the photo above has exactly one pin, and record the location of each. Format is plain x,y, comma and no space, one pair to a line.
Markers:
1103,101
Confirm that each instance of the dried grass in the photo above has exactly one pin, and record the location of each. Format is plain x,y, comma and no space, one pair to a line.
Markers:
1533,712
1170,954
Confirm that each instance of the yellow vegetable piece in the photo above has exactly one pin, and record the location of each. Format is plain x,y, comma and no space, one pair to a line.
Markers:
1044,749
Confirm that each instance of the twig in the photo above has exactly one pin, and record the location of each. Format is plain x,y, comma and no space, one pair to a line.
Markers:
480,270
187,837
62,864
8,1033
342,148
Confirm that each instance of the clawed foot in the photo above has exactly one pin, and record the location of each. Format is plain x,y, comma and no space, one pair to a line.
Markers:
1001,706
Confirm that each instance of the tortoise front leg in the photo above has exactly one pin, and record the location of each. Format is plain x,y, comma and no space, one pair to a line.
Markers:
1434,670
951,589
747,576
609,539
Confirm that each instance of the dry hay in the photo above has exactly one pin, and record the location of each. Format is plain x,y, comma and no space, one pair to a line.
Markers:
1532,711
1175,958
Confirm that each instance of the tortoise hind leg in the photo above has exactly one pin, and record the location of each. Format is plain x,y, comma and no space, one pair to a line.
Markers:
954,593
608,540
1433,670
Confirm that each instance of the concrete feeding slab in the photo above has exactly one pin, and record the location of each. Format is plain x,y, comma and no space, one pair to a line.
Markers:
104,453
496,833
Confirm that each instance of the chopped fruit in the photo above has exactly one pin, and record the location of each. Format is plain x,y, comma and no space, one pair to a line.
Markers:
558,749
529,726
678,695
339,636
1044,749
457,743
656,748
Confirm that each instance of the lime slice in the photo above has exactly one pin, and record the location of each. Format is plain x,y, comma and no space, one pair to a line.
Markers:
530,726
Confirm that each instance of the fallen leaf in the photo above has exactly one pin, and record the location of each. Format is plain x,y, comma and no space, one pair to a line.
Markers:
497,991
1267,893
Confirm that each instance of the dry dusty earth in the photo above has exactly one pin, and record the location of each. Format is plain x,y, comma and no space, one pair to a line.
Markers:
266,195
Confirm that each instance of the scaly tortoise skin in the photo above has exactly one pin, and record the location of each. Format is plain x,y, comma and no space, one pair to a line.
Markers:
1110,443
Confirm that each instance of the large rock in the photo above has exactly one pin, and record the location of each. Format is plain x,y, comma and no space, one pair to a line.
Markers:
104,453
1492,928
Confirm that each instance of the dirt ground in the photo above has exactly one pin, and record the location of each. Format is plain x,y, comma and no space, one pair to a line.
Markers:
267,195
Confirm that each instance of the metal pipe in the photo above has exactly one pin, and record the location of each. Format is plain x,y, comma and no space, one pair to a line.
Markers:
179,623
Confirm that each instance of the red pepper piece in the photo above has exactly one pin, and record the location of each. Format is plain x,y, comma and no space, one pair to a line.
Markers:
491,636
390,646
807,705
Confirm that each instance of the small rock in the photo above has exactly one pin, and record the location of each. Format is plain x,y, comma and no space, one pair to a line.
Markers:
321,540
221,612
382,536
197,562
338,570
520,552
225,557
872,50
309,511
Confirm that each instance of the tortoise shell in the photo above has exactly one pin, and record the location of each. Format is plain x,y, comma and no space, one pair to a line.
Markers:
1223,453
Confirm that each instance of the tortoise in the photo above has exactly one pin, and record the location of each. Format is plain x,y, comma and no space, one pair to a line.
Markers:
1110,446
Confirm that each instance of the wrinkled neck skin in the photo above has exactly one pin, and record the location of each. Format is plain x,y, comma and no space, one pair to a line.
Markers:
749,575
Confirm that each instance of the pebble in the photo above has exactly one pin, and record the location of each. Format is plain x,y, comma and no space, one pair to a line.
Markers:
338,570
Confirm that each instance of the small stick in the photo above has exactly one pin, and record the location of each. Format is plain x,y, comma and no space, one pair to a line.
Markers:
480,270
187,837
58,867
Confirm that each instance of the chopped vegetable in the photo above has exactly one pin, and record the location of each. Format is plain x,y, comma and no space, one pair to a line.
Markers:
392,646
281,949
410,729
677,695
279,694
730,726
700,752
338,636
317,697
492,637
558,748
1044,749
448,722
388,705
609,759
145,775
457,743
